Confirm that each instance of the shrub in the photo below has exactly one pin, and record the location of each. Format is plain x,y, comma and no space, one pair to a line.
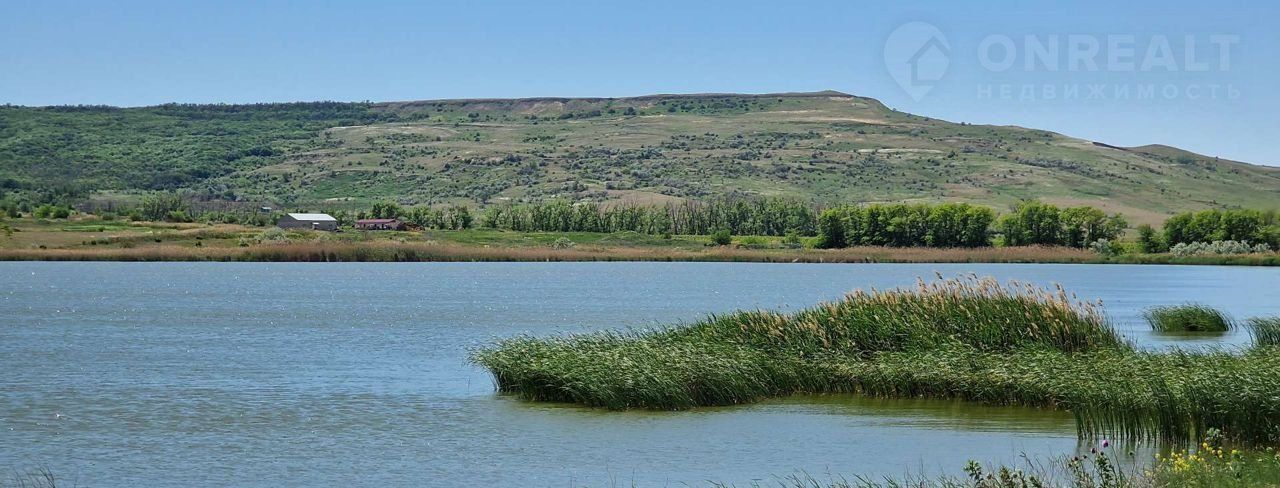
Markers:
755,242
1187,318
1106,247
792,241
562,243
47,211
721,237
1218,248
274,235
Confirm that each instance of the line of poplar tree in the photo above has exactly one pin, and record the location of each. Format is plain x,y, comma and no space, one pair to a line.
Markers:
1242,225
895,225
762,216
906,225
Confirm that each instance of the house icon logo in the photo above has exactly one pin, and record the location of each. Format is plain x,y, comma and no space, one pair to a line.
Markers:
917,56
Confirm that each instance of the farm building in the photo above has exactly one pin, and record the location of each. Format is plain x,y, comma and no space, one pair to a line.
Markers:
314,221
379,224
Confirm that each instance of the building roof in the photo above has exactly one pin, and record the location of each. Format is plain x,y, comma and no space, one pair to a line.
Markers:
376,221
313,216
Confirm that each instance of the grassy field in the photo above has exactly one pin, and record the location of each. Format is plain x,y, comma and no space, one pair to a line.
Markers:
969,339
825,147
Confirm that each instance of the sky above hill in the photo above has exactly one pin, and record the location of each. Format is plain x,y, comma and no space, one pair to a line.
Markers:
1197,75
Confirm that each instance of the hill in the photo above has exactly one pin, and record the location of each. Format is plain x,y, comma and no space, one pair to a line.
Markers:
826,147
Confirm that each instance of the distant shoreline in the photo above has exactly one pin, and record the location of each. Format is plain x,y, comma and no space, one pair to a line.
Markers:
392,251
115,240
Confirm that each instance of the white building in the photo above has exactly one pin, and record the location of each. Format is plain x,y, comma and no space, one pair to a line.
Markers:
313,221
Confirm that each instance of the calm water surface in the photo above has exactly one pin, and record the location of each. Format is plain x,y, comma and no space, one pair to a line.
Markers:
248,374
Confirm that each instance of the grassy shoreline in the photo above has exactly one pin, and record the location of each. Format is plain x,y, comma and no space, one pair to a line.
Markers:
393,251
100,240
387,250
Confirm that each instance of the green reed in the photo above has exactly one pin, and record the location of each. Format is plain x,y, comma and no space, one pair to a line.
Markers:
1265,330
968,339
1187,318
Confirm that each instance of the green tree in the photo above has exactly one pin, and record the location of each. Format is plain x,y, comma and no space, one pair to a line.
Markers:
1031,223
1148,240
386,210
831,229
159,206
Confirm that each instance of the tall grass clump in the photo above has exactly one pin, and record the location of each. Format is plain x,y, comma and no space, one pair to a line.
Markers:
974,312
1187,318
744,356
1265,331
971,339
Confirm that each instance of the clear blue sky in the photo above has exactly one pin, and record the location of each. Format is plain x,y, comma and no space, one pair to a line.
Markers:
149,52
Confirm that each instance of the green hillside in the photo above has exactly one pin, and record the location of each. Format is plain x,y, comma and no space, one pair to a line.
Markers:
827,147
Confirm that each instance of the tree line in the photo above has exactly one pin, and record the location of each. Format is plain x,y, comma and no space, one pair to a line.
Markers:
906,225
1208,226
762,216
894,225
1038,223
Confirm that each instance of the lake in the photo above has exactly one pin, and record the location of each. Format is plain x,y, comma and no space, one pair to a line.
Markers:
270,374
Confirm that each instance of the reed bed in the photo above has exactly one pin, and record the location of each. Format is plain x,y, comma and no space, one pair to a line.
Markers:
970,339
1265,331
1190,317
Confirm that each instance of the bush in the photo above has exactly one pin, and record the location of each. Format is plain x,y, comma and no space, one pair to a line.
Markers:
1106,247
721,237
792,241
274,235
47,211
1187,318
1218,248
562,243
177,216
